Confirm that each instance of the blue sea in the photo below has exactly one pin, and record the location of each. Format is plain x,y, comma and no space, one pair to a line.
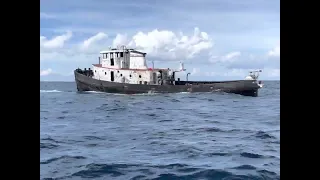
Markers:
158,136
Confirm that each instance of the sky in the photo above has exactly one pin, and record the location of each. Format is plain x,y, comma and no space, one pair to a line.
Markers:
215,39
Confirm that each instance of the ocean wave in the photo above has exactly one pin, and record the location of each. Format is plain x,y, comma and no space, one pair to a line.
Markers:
166,136
251,155
91,92
170,171
48,146
63,158
264,135
50,91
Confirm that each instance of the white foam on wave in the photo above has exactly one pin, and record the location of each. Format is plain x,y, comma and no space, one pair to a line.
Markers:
94,92
183,93
49,91
144,94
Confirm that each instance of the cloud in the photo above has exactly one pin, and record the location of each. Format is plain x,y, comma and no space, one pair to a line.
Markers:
164,44
56,50
93,39
195,71
230,57
56,42
46,16
266,74
273,73
50,75
160,44
229,73
239,60
275,52
119,40
45,72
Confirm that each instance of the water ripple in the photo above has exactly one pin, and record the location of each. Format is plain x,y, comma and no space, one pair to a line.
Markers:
158,136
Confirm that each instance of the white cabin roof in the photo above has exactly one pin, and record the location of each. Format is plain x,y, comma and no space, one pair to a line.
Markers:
112,50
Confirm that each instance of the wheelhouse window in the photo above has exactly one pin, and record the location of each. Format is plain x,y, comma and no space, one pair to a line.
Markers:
105,55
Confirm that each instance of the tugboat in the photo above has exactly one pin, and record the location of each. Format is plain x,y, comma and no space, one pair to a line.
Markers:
125,71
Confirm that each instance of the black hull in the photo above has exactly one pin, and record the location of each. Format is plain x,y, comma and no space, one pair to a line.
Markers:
243,87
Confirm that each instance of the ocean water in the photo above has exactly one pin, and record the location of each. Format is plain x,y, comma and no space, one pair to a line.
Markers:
158,136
